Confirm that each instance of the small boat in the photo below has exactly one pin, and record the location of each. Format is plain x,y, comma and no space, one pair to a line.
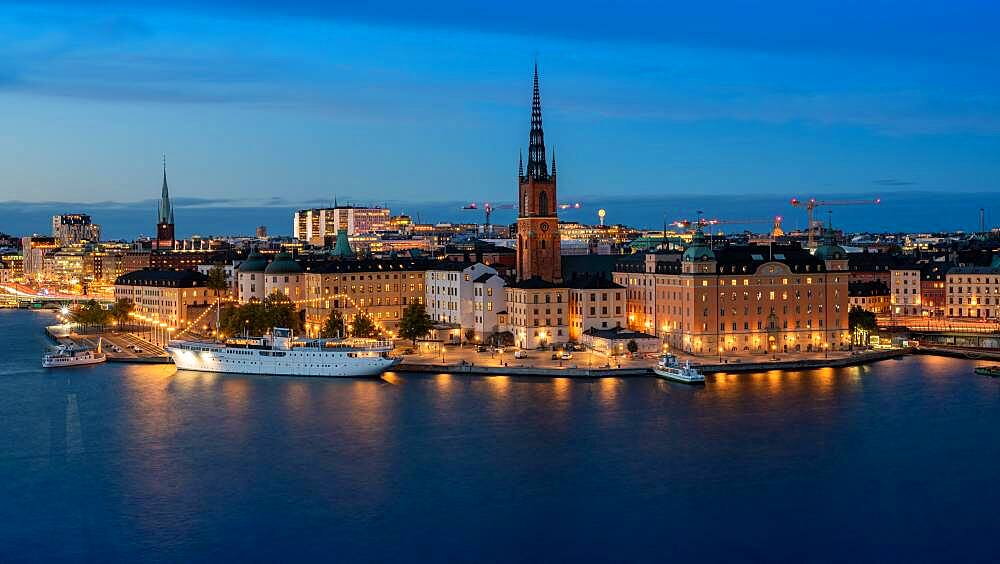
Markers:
73,356
670,368
993,371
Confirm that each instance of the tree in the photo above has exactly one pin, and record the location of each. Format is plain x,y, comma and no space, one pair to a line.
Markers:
258,318
121,310
91,314
862,323
632,346
363,327
415,323
334,326
470,335
217,282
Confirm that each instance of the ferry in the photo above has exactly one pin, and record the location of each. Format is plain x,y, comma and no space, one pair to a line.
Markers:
64,356
670,368
282,354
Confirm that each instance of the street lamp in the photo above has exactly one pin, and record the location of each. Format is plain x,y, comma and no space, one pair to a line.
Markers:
720,353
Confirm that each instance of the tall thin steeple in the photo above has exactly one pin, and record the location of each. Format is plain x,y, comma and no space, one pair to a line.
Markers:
166,214
553,161
536,143
520,164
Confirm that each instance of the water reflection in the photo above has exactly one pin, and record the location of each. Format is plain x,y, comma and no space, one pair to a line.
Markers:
165,465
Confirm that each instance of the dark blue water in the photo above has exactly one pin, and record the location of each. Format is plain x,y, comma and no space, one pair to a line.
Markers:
897,461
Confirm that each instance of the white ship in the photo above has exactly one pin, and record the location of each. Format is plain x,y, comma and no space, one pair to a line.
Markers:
73,356
669,367
282,354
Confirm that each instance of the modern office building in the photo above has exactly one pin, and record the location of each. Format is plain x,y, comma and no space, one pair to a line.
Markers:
75,228
319,226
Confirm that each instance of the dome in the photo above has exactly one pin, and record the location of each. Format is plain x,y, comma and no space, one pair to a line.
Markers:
283,264
829,250
698,250
254,263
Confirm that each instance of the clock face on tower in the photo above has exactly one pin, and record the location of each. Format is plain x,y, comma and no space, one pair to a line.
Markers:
545,227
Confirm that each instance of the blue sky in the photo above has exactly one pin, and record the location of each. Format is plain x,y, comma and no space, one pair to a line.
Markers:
295,102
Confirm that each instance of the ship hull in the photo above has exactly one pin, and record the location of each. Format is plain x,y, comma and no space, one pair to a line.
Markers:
297,363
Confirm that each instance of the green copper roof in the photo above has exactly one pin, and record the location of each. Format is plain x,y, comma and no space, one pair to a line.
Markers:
283,264
698,250
254,263
830,250
343,247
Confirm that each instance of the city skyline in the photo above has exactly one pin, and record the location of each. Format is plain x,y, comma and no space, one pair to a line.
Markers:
326,105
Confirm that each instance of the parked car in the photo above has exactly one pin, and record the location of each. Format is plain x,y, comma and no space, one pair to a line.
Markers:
520,354
565,355
482,348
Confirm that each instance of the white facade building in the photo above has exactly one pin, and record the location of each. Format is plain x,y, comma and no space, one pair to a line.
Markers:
315,225
488,298
451,297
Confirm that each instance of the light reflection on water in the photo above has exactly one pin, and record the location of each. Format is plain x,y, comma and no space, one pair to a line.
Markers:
137,462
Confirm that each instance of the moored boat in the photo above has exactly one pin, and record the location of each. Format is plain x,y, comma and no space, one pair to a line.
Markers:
670,368
993,371
64,356
282,354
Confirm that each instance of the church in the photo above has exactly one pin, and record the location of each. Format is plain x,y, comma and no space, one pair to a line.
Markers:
542,308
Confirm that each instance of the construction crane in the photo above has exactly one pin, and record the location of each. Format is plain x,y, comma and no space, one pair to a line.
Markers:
488,210
812,203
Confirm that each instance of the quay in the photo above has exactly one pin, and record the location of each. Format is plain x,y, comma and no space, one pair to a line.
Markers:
540,367
646,369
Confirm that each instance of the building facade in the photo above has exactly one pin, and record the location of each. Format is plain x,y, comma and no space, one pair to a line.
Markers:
75,228
742,299
319,226
904,286
175,298
873,296
973,292
380,289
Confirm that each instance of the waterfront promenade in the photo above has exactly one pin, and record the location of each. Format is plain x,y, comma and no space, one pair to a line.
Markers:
467,360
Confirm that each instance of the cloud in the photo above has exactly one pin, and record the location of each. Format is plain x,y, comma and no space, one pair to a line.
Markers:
893,182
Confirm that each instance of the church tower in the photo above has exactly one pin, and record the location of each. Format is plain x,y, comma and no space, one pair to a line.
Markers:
165,217
538,242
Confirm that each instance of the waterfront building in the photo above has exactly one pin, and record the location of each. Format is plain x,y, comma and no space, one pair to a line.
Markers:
741,298
173,297
595,302
319,226
615,341
873,296
488,301
904,286
537,311
451,295
250,278
75,228
285,275
378,288
165,217
6,274
973,292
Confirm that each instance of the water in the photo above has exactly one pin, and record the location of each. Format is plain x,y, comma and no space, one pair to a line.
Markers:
894,461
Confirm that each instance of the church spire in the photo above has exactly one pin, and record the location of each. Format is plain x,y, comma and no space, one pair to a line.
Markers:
536,146
520,164
166,214
553,161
